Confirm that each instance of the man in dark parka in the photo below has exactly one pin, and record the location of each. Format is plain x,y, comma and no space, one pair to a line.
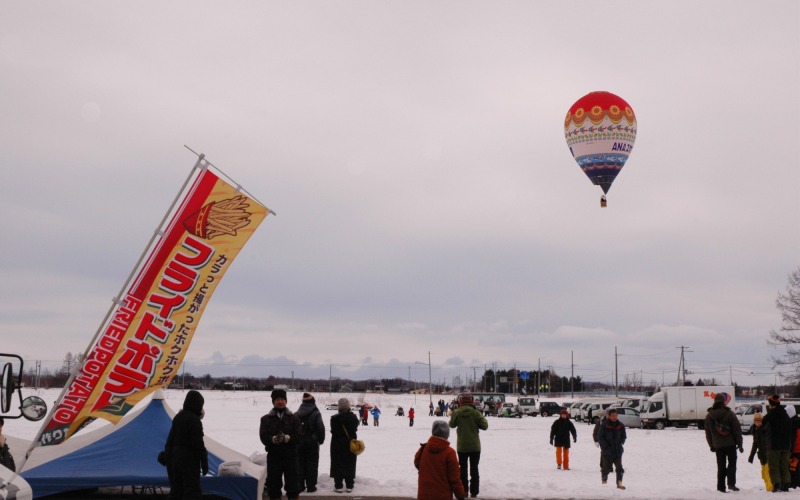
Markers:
280,433
612,436
724,446
185,450
308,450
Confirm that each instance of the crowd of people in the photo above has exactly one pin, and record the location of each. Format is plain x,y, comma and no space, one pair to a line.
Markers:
292,441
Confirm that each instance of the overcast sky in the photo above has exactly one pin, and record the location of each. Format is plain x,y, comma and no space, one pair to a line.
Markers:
426,200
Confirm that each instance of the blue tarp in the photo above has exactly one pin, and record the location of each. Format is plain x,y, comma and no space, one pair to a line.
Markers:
127,457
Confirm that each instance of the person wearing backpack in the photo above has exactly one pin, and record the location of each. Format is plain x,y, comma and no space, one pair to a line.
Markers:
312,438
724,435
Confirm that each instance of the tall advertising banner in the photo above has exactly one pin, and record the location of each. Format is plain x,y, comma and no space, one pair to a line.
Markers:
145,337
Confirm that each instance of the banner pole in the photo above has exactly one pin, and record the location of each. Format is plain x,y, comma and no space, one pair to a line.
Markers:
115,303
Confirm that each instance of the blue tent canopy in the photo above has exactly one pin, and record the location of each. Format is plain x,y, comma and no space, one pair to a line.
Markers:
125,455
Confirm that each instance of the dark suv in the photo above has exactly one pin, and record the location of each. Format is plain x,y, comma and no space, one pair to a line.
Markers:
549,408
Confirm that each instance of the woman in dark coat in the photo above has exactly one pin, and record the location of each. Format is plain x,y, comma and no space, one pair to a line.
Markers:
344,426
186,452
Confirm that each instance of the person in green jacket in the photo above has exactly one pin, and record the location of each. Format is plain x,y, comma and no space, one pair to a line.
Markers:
468,421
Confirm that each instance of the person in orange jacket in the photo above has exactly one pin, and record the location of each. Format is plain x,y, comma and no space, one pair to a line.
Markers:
437,463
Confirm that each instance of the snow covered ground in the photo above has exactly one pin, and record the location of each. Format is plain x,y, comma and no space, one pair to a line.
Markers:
516,462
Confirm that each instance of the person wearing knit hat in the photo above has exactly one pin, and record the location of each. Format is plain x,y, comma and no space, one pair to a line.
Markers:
724,436
468,422
779,443
280,432
344,427
437,463
312,438
559,437
759,449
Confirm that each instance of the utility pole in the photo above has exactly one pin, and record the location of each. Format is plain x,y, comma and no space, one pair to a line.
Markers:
682,366
572,374
539,376
616,372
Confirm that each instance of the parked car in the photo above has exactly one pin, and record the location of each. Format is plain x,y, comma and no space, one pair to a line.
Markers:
629,417
332,406
549,408
527,406
573,409
599,409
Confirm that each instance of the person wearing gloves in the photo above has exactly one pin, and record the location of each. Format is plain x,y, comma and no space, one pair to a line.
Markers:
724,435
760,448
280,432
185,451
559,437
437,463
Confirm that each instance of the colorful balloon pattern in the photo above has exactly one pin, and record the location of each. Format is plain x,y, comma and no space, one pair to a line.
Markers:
600,129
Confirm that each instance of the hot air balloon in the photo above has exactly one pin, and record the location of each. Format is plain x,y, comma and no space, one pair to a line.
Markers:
600,129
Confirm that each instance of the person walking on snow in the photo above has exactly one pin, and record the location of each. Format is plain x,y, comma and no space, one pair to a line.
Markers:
724,435
411,417
364,414
611,436
468,422
559,437
437,463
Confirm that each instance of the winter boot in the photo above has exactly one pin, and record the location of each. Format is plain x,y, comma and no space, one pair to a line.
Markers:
619,485
605,479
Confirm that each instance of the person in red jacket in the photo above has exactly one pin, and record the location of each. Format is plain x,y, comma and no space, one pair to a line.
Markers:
437,462
411,417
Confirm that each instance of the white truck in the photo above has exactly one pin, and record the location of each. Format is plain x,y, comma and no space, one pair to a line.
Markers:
683,406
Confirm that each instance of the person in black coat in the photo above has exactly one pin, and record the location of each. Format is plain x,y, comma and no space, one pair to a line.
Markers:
344,426
559,437
779,435
280,433
308,450
611,436
185,451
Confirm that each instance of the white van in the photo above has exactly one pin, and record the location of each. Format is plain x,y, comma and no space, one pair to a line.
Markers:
527,406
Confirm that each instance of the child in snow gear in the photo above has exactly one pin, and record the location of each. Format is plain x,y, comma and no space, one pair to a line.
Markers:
611,436
411,417
437,463
760,447
724,435
559,437
364,414
468,421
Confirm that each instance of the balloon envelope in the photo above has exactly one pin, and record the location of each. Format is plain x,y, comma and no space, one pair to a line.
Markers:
600,129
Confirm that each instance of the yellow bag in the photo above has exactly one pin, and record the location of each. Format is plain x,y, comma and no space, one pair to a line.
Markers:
357,446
